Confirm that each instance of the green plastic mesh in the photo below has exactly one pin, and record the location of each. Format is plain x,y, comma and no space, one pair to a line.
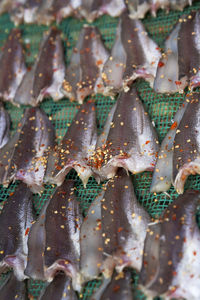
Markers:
161,109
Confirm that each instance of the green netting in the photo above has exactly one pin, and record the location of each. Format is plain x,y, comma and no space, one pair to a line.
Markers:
161,109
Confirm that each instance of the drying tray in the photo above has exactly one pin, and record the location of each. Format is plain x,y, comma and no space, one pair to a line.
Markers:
161,109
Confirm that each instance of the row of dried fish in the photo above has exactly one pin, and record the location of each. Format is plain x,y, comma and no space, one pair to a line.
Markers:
92,69
116,234
45,12
128,140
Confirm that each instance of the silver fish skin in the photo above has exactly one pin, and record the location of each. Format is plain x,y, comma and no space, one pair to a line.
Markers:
91,242
24,157
15,219
54,239
4,126
134,55
93,9
173,242
13,289
13,67
47,74
178,67
130,140
59,289
186,158
31,9
119,287
163,172
75,149
138,8
83,74
64,8
124,222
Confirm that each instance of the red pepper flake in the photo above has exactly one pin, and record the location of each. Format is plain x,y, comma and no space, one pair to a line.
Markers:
99,62
116,288
120,229
178,82
11,194
174,273
174,125
194,253
185,240
87,50
27,231
160,64
58,168
147,142
174,217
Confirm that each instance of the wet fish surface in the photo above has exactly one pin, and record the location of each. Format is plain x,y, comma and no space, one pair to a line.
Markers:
83,74
59,289
47,74
133,55
13,289
13,67
4,126
24,157
173,242
128,139
15,219
53,243
76,147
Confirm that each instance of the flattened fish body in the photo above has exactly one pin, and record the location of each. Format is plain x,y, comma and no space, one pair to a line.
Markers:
15,219
83,75
53,243
4,126
133,55
13,67
119,287
130,139
75,148
91,242
13,289
173,243
179,65
124,223
59,289
186,158
163,172
24,157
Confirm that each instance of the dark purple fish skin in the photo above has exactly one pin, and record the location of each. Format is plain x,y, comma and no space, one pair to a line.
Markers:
130,139
124,223
15,221
13,289
171,246
186,144
59,289
54,239
50,66
75,148
24,157
83,75
4,126
119,287
13,67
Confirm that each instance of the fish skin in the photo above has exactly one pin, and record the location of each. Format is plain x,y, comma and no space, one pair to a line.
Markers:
24,157
75,149
131,142
186,156
54,238
12,66
134,55
30,10
163,172
4,126
15,219
13,289
64,8
16,11
5,5
173,243
119,287
91,242
86,65
138,8
59,289
124,222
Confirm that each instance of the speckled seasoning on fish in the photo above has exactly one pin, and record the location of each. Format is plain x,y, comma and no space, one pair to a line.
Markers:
15,221
133,55
128,140
83,74
171,256
54,239
75,148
